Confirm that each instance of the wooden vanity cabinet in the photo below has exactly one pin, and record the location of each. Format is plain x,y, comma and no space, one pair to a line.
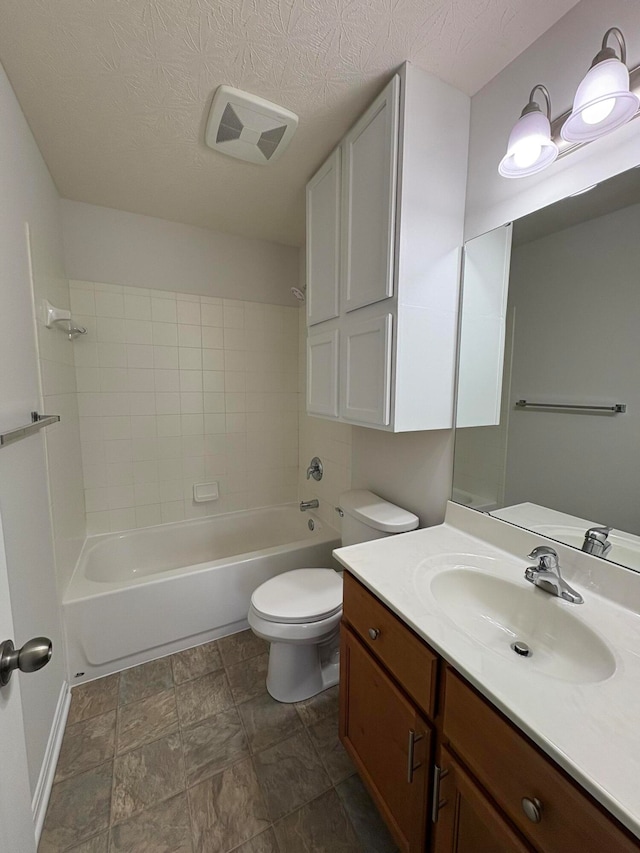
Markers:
563,818
384,725
466,819
495,791
388,740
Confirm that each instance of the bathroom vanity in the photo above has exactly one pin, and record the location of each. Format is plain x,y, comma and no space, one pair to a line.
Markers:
464,744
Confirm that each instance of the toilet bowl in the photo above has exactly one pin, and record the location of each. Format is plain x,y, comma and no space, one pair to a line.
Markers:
299,612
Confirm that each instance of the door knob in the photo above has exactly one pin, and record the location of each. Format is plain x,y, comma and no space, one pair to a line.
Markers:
32,656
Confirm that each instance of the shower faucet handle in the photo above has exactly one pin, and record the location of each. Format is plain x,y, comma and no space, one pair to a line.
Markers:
315,469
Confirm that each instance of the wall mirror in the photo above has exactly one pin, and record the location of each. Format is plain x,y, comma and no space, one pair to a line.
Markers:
548,409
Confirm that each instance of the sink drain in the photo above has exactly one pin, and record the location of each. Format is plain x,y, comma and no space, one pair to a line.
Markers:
521,649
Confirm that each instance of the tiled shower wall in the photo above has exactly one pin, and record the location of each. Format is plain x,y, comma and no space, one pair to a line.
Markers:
178,389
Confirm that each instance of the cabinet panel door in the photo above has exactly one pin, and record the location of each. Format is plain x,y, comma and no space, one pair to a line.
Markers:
370,178
323,241
322,373
466,821
375,725
366,370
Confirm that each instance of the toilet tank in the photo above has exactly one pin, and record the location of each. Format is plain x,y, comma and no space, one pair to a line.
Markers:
367,516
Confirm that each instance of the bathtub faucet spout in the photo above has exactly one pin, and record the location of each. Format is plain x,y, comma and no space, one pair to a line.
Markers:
314,504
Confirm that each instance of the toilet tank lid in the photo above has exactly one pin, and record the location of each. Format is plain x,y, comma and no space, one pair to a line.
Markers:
376,512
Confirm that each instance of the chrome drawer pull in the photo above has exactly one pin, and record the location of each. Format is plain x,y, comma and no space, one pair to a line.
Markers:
532,807
411,767
374,633
438,774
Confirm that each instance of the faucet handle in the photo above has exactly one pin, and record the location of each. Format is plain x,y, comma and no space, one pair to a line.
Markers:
547,557
600,533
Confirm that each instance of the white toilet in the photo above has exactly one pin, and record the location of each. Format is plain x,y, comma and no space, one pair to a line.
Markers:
299,612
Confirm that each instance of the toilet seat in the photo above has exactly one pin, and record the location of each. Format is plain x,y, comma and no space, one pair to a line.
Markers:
299,596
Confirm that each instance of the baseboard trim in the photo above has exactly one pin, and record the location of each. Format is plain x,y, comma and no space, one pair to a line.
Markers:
48,769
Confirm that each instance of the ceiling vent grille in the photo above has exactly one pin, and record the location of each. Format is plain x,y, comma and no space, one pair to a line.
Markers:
248,127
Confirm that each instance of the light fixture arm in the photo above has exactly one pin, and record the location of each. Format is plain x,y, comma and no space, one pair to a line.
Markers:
533,105
607,52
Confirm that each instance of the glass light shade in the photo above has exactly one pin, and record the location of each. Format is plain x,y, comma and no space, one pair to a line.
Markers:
530,148
602,103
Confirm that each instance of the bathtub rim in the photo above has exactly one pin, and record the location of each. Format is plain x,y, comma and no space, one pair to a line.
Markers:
80,587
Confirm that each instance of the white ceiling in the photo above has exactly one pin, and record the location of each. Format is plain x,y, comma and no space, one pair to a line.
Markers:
117,91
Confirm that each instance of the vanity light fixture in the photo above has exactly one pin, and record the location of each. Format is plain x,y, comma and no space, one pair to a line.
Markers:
530,148
603,101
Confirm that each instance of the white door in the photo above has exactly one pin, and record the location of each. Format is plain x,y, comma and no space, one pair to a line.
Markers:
366,371
369,186
16,821
323,241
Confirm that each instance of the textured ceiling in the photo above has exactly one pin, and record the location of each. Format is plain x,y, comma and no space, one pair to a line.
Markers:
117,91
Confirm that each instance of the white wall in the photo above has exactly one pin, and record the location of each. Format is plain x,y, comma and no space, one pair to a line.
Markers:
411,469
558,59
577,306
28,196
62,440
105,245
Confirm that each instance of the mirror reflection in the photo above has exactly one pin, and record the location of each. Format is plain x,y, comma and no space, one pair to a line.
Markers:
548,416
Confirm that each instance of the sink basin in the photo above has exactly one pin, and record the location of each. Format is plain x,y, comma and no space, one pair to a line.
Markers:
497,612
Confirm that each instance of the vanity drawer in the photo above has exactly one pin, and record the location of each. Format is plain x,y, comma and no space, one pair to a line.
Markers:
408,659
511,768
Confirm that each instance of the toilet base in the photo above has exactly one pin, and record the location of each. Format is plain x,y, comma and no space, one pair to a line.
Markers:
298,672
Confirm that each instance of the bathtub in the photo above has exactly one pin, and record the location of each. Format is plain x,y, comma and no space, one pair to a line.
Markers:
142,594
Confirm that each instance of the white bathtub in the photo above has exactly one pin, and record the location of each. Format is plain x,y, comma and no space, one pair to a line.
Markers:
142,594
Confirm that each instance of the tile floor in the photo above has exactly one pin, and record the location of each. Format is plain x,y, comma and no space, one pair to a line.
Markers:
189,754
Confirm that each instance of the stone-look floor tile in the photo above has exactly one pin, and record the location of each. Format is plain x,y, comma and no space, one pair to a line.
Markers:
263,843
248,678
97,844
203,697
86,744
146,776
227,809
337,763
146,720
290,774
164,828
321,826
93,698
195,662
319,706
370,829
78,809
267,721
212,745
145,680
242,646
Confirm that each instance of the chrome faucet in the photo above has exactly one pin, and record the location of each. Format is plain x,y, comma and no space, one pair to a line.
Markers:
314,504
547,575
596,542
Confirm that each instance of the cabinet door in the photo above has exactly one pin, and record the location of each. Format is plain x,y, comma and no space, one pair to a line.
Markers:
370,178
465,820
376,722
323,241
322,373
366,370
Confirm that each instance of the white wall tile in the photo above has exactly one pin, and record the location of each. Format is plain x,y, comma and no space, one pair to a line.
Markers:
188,312
164,311
166,400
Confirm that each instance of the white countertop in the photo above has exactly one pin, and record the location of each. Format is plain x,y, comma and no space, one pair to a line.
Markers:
592,730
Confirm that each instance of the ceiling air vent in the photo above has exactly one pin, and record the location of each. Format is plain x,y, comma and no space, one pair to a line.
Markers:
248,127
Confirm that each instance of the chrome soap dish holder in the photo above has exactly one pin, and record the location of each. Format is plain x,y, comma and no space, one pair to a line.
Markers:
60,318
